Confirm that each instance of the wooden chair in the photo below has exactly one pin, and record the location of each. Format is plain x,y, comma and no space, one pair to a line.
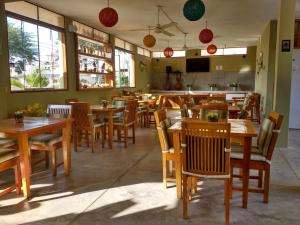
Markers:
127,122
201,111
184,111
152,107
51,142
206,154
217,98
261,155
69,100
166,144
9,158
85,126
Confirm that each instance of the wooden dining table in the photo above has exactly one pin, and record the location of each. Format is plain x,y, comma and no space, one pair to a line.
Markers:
109,111
233,110
243,130
32,126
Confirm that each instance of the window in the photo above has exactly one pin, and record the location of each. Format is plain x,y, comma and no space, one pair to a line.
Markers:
142,51
161,54
226,51
124,67
123,44
36,56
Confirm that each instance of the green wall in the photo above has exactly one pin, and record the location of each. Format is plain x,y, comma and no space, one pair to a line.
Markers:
13,101
235,63
265,74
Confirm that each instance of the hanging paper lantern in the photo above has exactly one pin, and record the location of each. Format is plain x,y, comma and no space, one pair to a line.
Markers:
206,36
108,17
193,10
149,41
168,52
212,49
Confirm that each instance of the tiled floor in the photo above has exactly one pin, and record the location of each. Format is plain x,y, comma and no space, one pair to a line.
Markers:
124,187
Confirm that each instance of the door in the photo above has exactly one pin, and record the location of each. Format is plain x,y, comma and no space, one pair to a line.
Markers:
295,92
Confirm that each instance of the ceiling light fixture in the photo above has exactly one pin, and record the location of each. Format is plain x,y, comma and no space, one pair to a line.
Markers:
206,35
212,49
149,40
108,17
168,52
194,10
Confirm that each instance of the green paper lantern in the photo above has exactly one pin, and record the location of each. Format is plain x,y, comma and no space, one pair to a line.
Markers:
193,10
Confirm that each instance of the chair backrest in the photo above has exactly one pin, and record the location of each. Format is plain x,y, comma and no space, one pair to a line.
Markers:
220,108
162,125
184,111
159,116
69,100
83,118
206,148
59,111
268,134
130,112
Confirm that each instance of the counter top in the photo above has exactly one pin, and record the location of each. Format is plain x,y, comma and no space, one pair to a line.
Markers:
185,92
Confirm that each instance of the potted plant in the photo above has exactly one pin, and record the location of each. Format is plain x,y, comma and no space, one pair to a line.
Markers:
19,116
213,117
212,86
234,85
104,103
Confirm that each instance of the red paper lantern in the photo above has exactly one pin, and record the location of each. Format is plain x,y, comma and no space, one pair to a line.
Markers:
206,36
168,52
108,17
149,41
212,49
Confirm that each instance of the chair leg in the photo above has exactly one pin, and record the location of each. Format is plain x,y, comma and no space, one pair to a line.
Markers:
133,133
93,136
164,168
18,181
227,200
184,197
47,159
260,177
231,181
125,136
86,135
75,140
170,168
53,160
103,136
266,184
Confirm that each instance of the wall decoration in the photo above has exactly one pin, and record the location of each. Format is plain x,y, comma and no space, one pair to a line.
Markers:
149,41
108,16
168,52
212,49
260,62
142,66
286,46
194,10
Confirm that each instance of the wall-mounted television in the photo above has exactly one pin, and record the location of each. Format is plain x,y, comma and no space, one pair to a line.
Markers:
197,65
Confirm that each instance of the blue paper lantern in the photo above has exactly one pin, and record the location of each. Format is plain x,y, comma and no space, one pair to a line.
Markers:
193,10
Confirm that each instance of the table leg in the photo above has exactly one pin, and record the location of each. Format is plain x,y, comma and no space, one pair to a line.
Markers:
24,163
110,129
176,142
67,148
246,169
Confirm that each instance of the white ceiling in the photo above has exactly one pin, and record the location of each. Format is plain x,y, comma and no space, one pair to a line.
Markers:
234,22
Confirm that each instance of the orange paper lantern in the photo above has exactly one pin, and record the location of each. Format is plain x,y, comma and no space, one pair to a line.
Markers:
212,49
149,41
168,52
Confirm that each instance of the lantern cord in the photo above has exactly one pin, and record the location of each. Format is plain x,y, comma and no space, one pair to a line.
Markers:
108,3
206,24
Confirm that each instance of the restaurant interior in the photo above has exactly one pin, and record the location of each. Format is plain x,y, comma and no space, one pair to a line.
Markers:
149,112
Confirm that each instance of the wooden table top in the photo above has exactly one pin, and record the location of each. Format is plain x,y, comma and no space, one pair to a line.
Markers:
29,124
239,128
109,108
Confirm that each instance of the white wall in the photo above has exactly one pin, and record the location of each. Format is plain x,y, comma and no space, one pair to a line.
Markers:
295,92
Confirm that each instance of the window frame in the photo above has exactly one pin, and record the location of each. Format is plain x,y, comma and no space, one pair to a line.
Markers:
134,70
51,27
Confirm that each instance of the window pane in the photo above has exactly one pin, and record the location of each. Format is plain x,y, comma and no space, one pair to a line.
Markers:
157,54
101,36
51,18
119,43
83,29
140,51
51,58
36,56
128,46
23,53
235,51
124,65
147,53
22,8
179,54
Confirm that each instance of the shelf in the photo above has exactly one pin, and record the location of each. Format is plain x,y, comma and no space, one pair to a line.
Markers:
95,89
94,56
99,73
